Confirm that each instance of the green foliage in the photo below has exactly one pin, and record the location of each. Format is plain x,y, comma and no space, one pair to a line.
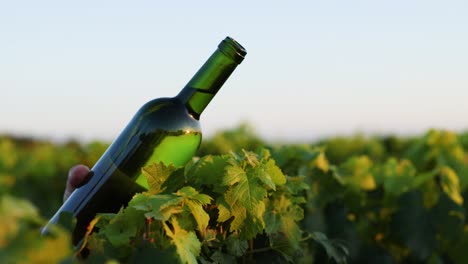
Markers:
209,227
20,241
339,149
342,200
241,137
36,170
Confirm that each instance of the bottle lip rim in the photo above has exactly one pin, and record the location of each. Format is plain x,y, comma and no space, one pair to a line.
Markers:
233,49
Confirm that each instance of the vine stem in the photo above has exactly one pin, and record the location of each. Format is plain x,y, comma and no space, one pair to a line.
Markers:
146,235
89,229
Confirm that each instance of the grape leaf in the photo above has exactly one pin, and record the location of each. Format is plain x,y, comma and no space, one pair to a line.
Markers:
321,162
450,184
397,177
123,226
275,173
334,249
187,244
195,202
245,199
246,186
356,171
247,157
156,174
221,258
160,207
292,159
208,170
223,210
254,223
190,193
283,217
248,178
226,212
236,246
270,168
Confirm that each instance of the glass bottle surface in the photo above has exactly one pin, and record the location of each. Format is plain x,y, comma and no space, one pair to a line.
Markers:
164,130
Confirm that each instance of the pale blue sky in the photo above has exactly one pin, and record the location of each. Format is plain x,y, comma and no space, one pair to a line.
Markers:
313,68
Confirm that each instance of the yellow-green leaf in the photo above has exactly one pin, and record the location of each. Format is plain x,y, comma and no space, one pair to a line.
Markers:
450,184
187,244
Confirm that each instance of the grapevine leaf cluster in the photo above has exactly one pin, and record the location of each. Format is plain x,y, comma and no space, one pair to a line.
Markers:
352,199
396,201
227,207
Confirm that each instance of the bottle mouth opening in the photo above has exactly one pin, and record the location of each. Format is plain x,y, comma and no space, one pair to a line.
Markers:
232,49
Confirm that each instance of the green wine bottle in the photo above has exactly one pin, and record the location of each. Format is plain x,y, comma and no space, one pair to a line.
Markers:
164,130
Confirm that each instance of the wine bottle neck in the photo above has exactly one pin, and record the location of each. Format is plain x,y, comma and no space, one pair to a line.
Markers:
204,85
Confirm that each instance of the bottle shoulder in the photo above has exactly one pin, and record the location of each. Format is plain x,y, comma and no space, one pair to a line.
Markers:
166,113
157,103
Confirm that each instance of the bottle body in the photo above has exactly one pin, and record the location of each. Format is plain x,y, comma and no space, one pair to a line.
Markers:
164,130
